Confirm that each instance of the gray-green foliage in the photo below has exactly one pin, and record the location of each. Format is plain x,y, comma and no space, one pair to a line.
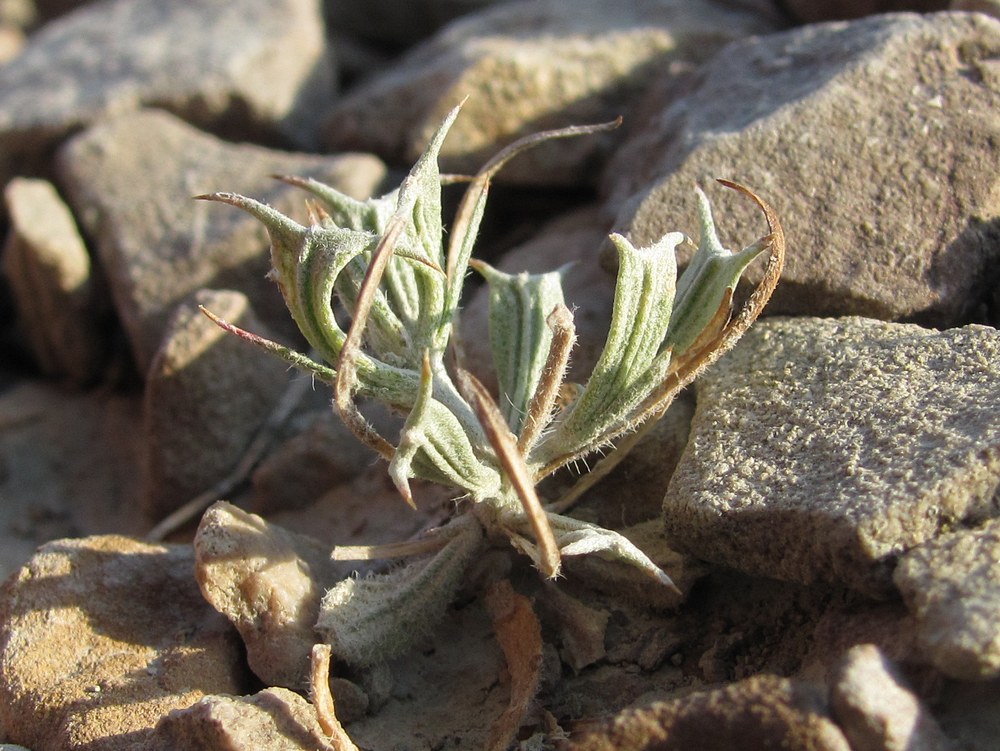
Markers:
386,263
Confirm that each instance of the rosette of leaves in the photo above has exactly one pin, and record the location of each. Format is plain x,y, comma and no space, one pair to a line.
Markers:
384,265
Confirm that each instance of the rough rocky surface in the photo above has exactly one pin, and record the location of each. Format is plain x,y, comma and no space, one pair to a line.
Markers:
849,447
216,64
158,245
900,233
528,67
952,585
207,394
100,637
822,449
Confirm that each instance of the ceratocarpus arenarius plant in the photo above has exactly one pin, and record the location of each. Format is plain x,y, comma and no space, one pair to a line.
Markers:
385,262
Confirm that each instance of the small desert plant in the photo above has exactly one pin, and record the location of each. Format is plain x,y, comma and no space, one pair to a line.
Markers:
384,263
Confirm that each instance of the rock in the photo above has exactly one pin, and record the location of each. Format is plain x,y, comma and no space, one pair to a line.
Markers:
222,66
822,449
275,719
811,11
158,246
102,636
527,67
67,467
952,586
207,394
49,270
760,712
268,582
904,231
877,710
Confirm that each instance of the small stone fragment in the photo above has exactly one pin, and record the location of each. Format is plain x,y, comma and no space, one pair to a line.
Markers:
952,586
268,582
55,293
877,710
207,393
760,712
822,449
274,719
100,637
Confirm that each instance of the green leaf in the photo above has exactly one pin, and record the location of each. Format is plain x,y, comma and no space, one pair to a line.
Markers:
434,445
519,334
621,378
707,282
376,618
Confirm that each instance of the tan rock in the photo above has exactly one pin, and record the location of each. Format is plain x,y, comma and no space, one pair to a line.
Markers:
952,586
876,708
275,719
823,448
102,636
268,582
156,244
49,270
530,66
207,393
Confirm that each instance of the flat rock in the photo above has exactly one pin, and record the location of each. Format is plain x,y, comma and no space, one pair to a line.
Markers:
952,586
207,394
822,449
268,582
760,712
873,139
55,292
102,636
876,708
275,719
527,67
219,65
158,246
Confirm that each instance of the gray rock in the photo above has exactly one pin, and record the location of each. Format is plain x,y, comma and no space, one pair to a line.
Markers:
221,65
102,636
158,246
952,586
207,394
275,719
852,131
54,290
876,708
529,66
822,449
760,712
268,582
